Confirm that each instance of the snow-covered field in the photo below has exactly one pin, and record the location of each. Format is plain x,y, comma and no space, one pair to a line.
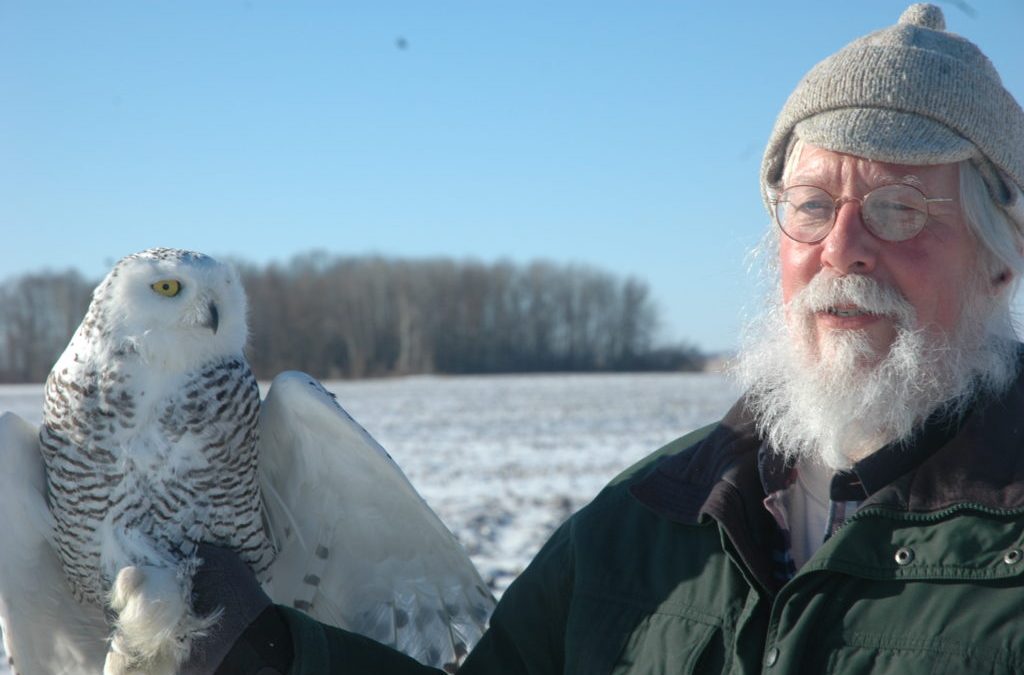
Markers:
505,459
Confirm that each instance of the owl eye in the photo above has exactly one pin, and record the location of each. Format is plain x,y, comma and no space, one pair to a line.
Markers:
167,288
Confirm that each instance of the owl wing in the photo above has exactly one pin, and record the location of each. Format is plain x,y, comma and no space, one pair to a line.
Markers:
359,547
45,630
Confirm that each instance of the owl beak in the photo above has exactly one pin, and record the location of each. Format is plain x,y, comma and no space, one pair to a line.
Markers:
213,319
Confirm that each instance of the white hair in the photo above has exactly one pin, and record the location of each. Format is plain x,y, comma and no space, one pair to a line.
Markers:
1001,241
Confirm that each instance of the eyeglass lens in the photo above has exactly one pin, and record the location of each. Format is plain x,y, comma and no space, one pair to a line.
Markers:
891,212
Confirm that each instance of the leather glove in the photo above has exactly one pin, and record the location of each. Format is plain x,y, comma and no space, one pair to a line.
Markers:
250,636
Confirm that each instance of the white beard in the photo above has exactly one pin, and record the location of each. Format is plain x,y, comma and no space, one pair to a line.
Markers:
838,401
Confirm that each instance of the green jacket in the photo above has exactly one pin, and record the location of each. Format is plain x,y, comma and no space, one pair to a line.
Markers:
668,571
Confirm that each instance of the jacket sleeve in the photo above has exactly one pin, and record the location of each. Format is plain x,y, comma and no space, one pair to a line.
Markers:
526,634
528,629
320,649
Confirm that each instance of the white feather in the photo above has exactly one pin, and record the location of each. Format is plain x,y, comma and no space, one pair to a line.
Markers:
360,549
45,630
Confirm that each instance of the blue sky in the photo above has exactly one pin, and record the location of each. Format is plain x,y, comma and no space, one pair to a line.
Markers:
625,135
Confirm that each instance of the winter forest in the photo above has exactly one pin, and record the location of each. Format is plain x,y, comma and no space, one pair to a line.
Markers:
351,317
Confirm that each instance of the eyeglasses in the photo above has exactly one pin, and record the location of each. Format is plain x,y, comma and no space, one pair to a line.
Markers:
897,212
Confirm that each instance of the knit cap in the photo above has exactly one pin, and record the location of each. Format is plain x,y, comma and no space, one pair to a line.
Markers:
912,93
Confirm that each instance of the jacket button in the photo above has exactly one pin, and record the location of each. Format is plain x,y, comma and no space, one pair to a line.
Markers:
1013,556
772,657
904,556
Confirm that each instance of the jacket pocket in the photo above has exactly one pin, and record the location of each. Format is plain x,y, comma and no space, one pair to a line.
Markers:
614,636
664,644
877,655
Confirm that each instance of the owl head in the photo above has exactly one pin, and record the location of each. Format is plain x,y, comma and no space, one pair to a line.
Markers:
174,308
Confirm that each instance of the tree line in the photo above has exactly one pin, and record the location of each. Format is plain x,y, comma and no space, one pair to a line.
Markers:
350,317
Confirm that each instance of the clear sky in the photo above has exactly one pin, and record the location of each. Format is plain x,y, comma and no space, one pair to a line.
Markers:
625,135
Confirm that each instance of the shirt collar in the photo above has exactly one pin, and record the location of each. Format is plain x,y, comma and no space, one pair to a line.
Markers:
891,461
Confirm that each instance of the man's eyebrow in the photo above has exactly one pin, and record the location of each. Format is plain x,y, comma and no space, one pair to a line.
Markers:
874,179
804,178
879,179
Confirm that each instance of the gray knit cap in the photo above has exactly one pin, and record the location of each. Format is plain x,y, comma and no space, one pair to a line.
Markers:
912,93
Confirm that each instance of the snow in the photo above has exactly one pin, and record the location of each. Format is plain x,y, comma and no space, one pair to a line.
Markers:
25,400
504,460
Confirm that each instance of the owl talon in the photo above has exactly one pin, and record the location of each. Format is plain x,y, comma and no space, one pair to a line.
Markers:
116,662
120,663
155,623
128,581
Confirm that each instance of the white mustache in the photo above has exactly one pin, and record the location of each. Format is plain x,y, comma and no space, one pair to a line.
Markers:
867,294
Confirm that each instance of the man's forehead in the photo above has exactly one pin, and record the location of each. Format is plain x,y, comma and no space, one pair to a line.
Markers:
819,166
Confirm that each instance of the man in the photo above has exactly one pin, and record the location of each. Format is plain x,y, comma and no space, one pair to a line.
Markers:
861,509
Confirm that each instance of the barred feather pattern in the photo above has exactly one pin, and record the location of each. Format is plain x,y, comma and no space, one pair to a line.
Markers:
176,464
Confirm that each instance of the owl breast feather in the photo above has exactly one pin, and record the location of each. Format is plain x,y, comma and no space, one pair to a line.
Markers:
130,476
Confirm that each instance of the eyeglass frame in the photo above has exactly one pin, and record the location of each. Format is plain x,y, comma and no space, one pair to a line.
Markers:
838,203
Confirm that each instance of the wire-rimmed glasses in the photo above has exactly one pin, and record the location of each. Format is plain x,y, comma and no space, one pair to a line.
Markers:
896,212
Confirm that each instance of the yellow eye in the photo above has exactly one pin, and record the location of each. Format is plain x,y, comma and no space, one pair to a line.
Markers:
167,288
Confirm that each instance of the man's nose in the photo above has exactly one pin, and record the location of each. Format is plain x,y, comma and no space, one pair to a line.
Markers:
849,247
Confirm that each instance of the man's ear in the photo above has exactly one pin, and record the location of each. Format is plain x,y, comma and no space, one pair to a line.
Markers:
1001,281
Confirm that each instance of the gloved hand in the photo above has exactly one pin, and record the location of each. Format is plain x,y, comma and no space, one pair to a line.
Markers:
250,636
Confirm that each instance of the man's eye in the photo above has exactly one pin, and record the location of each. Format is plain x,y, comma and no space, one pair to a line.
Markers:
814,209
895,207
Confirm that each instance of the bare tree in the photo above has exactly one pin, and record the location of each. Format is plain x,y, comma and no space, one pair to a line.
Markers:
38,315
359,316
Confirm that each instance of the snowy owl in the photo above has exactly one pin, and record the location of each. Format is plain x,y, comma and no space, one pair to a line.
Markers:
153,440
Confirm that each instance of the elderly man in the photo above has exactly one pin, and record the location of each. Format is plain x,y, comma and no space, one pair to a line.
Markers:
861,509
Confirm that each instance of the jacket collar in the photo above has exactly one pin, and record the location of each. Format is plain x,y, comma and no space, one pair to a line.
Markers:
981,464
682,487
